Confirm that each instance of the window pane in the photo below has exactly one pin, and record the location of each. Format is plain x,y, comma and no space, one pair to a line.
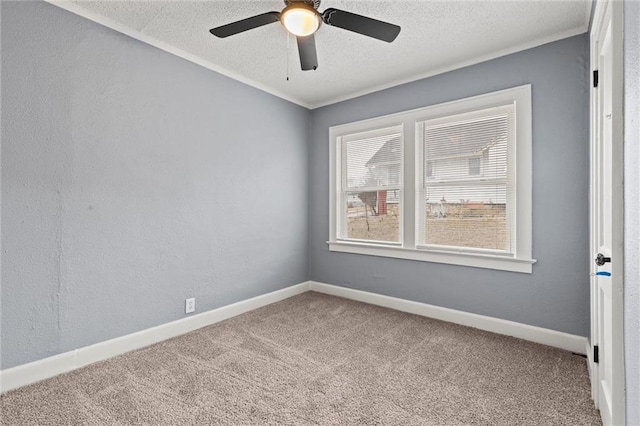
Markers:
467,148
465,160
373,215
466,224
374,162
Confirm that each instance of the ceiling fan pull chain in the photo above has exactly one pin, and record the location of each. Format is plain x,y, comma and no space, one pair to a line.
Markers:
288,38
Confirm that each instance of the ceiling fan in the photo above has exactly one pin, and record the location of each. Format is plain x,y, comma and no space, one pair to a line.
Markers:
302,19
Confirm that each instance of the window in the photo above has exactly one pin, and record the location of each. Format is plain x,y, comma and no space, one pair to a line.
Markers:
462,208
449,183
474,166
429,169
371,185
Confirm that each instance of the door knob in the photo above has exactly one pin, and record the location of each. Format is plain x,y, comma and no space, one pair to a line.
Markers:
601,260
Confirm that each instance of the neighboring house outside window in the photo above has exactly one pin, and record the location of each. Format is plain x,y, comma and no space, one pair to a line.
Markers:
385,165
444,192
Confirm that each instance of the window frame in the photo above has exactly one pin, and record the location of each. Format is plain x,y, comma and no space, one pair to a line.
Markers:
479,113
520,261
343,189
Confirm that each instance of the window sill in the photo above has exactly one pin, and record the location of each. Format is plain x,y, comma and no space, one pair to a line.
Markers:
462,259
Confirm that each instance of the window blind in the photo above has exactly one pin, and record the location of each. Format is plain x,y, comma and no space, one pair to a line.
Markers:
467,185
371,186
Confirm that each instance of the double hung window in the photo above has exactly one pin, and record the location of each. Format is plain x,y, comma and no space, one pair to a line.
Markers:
449,183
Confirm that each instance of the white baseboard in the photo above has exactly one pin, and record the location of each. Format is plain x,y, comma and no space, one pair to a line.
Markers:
36,371
544,336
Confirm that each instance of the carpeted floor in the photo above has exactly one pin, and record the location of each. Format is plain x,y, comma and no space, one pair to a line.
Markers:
318,359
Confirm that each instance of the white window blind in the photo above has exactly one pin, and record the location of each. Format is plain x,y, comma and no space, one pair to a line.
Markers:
371,186
466,190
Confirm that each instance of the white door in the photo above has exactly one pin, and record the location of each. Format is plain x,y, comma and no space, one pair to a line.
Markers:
606,214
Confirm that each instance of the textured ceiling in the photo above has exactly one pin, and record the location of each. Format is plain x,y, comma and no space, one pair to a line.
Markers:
436,36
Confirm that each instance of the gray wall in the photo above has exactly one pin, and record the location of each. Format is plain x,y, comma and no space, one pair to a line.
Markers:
132,179
632,209
556,295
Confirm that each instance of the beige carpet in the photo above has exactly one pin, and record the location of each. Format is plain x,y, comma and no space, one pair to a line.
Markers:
317,359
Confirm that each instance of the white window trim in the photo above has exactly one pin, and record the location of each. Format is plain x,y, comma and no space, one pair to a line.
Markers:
522,261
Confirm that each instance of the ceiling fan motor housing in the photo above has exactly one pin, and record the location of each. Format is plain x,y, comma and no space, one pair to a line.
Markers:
313,3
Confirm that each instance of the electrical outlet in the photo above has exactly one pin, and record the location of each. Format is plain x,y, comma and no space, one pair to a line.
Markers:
190,305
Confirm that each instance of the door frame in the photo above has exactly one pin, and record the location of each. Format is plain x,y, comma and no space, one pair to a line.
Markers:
608,12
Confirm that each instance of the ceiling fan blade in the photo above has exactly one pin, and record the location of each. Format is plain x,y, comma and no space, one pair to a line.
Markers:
361,24
307,51
245,24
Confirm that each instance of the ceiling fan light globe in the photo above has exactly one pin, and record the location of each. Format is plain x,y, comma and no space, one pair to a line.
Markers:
300,21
